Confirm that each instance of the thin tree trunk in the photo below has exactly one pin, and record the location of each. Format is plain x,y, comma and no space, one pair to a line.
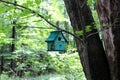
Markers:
91,53
109,15
13,44
2,64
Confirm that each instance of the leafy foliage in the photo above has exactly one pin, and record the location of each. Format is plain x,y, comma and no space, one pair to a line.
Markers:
53,64
30,54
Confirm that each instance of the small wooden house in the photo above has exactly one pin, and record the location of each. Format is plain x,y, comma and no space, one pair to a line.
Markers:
56,41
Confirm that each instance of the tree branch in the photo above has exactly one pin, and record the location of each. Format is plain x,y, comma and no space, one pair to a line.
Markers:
34,12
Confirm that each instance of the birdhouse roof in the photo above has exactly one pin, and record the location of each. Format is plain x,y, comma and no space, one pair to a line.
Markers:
53,35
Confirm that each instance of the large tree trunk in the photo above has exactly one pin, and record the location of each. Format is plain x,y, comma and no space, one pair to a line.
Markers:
91,53
109,15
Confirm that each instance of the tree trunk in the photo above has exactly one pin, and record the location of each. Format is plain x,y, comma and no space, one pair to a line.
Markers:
2,64
91,52
12,61
109,16
12,45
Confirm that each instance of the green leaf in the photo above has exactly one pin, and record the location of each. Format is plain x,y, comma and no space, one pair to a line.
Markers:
36,12
25,4
88,28
80,33
38,1
90,2
48,16
25,13
10,8
30,3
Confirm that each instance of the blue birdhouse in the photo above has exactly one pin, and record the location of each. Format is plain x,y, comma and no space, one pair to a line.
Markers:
56,41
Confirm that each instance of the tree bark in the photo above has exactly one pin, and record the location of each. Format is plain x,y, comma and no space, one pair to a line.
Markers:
109,16
92,54
12,63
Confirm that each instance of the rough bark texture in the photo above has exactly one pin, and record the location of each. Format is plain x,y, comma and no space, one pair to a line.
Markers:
94,60
109,15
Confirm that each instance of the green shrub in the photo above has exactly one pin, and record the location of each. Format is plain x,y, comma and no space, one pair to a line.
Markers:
69,65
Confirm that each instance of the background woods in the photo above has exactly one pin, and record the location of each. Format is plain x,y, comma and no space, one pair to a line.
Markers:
23,51
25,24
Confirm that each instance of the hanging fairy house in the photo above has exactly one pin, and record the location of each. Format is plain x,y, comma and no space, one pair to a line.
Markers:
56,41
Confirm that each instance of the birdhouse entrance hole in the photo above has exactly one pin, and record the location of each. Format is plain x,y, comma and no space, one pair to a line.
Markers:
59,38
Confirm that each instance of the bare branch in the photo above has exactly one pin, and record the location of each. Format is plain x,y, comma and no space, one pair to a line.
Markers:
34,12
91,34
